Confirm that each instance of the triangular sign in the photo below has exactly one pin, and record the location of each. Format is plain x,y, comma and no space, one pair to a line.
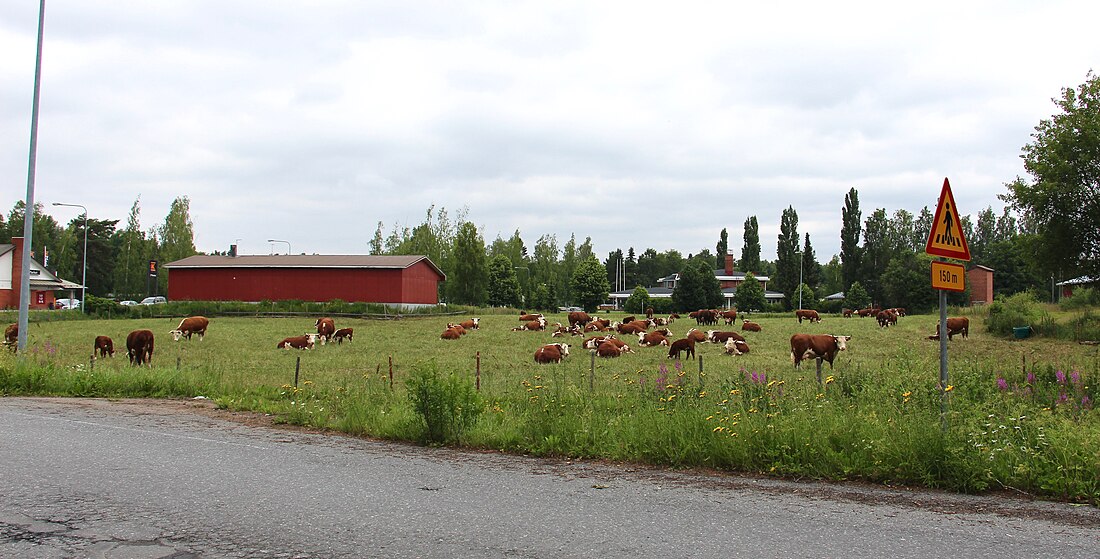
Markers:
946,238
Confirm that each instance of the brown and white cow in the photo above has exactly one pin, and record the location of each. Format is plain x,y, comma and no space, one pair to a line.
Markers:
139,346
747,326
706,317
551,353
343,334
539,324
651,339
104,346
11,335
886,318
959,325
817,346
305,341
456,327
736,347
623,346
807,314
450,334
609,349
718,337
729,315
528,317
682,345
471,324
631,328
868,311
595,341
847,313
325,329
579,317
188,326
696,335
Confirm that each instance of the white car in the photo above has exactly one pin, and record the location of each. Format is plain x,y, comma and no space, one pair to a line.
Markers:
67,304
127,303
153,300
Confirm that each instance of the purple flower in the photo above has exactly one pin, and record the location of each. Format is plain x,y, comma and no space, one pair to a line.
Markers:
1002,384
1031,378
1075,377
1061,377
1086,403
1063,398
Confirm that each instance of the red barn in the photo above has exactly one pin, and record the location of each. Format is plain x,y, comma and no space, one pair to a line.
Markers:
404,281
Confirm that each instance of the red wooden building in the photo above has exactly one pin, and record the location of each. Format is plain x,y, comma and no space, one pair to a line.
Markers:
403,281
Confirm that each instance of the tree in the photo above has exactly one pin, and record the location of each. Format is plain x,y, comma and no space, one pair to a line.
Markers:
467,284
132,251
750,294
630,268
1062,200
566,267
807,300
590,285
177,237
750,253
831,281
786,264
541,298
544,264
811,270
722,248
876,253
856,296
614,266
377,242
922,226
851,226
697,288
503,285
638,301
905,282
101,259
984,233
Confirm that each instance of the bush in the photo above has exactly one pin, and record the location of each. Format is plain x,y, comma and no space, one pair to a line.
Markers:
447,405
1021,309
1083,297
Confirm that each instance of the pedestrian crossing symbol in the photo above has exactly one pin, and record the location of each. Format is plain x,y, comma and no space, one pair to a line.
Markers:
946,237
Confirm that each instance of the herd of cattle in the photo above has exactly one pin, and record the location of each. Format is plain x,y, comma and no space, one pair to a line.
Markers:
604,339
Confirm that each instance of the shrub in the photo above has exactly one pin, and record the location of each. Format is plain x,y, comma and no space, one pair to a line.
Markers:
1082,297
448,405
1006,313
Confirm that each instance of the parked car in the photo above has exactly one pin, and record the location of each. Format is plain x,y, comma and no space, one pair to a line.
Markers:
66,304
127,303
153,300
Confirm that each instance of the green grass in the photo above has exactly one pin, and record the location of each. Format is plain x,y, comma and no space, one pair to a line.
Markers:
877,419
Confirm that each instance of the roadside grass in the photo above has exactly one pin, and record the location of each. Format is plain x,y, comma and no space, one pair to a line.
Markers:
1019,416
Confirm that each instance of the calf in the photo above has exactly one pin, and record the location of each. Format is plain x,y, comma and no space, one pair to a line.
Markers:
11,335
651,339
747,326
817,346
325,329
471,324
721,337
104,346
579,317
188,326
305,341
736,347
139,346
808,314
960,325
886,318
729,315
847,313
343,334
682,345
450,334
551,353
609,349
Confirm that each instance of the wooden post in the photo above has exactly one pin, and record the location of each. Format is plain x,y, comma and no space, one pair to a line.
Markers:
391,372
477,375
178,359
91,362
297,367
700,370
592,371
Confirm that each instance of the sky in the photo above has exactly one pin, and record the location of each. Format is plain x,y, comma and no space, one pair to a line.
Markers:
638,124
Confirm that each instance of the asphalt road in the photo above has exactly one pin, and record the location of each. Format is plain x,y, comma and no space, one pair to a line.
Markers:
92,478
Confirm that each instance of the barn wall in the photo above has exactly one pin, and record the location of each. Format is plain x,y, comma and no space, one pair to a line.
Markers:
306,284
420,284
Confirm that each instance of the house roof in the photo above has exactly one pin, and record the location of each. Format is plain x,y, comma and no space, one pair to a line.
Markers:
39,277
1079,281
305,261
665,292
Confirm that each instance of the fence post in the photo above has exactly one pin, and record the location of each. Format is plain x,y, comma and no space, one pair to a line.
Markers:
91,362
592,371
391,372
701,371
477,376
297,367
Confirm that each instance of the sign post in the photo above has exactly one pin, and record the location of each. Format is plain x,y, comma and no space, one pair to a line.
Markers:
946,240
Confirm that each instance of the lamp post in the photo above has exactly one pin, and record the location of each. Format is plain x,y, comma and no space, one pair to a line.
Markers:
281,241
84,271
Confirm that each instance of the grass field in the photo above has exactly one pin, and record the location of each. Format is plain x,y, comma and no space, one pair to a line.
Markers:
1020,411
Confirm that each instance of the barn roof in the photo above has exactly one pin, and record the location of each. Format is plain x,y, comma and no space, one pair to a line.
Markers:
305,261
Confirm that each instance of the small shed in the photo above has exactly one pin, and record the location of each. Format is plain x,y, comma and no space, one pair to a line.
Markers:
980,279
402,281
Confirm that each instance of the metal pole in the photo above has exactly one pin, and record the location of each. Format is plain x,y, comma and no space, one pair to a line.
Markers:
943,360
28,209
84,269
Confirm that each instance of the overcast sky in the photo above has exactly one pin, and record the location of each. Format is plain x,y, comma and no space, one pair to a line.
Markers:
652,125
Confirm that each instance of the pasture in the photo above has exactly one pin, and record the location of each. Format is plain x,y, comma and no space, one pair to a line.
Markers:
1020,411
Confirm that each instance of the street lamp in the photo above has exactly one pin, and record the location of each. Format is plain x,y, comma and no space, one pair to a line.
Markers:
84,272
281,241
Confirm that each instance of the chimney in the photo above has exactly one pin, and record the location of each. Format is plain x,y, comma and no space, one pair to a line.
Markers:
729,263
16,273
233,251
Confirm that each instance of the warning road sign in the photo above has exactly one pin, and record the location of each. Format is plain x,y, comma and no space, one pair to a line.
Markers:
946,237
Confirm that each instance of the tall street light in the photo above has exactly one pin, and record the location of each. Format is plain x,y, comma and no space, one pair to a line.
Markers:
84,273
281,241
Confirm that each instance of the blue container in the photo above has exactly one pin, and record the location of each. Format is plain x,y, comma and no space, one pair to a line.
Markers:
1021,332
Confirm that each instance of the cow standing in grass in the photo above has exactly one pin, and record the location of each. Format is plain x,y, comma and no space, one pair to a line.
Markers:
139,346
822,347
190,325
104,346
